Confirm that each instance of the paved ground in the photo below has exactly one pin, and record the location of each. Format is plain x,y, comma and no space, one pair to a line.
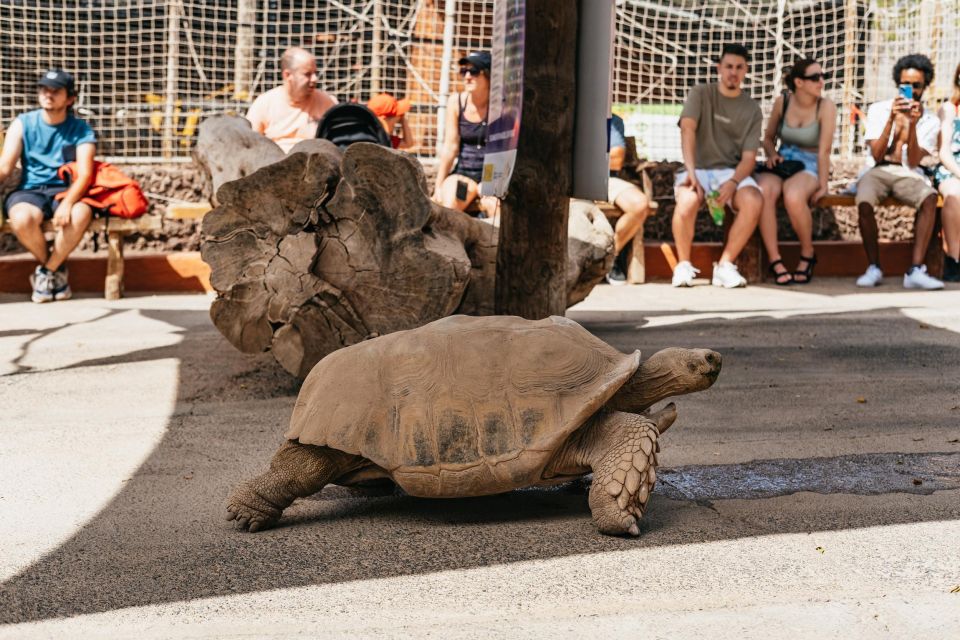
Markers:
812,493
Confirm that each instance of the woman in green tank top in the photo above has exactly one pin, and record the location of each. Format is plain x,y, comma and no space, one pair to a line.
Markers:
804,121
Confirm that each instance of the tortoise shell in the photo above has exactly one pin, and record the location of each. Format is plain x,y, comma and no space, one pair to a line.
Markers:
463,405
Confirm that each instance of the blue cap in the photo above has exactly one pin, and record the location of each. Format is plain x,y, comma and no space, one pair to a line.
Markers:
57,79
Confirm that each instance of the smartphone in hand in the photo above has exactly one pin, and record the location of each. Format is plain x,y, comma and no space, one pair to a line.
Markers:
462,190
905,91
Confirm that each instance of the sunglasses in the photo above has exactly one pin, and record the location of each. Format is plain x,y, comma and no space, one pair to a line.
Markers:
816,77
472,70
917,86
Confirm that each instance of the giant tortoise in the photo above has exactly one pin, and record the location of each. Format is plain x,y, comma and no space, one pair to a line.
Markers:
471,406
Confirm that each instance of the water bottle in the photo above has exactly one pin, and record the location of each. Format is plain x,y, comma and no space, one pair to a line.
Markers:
716,209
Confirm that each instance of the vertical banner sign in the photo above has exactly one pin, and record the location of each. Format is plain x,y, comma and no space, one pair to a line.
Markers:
506,96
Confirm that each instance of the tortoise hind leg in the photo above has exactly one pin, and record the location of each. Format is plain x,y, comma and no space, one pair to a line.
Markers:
296,471
622,451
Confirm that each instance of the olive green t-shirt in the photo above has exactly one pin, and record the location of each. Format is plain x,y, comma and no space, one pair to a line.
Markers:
726,127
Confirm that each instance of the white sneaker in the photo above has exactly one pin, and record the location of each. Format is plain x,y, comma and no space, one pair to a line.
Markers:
725,275
683,274
871,277
918,278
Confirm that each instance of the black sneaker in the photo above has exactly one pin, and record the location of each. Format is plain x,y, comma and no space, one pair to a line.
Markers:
617,275
951,269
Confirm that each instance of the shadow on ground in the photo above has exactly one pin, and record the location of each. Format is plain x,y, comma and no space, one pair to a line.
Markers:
163,539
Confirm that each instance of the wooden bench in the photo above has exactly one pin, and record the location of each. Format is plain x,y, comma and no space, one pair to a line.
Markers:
116,229
752,261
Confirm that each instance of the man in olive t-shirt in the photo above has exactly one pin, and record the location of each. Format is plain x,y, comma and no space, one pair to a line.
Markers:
720,134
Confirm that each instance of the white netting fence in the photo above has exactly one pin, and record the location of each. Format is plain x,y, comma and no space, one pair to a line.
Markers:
150,70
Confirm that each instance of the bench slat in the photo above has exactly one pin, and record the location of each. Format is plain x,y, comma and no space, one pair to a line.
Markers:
120,225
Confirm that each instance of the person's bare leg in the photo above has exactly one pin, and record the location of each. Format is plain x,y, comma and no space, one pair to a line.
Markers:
635,207
684,221
26,221
490,205
748,202
296,471
448,192
951,216
771,187
869,233
796,199
923,228
69,235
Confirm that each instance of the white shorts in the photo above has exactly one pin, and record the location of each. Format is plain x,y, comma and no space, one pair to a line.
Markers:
711,179
616,187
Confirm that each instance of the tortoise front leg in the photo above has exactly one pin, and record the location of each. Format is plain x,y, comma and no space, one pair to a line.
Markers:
296,471
621,448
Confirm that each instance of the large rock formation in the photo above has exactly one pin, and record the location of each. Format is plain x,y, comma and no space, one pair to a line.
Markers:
324,249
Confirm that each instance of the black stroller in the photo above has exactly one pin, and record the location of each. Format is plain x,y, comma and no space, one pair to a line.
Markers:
349,122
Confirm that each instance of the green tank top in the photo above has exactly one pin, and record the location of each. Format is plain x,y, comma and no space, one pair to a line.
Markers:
808,136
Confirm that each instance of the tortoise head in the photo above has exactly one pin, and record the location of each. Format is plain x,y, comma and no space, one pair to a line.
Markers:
669,372
686,370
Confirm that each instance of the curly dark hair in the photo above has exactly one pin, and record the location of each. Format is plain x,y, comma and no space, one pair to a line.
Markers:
798,70
916,61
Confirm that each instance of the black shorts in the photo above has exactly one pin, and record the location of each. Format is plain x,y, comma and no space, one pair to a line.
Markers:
41,198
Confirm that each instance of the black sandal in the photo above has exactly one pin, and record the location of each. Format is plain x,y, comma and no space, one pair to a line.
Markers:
779,275
806,273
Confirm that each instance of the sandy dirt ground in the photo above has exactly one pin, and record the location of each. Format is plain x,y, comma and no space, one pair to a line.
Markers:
813,492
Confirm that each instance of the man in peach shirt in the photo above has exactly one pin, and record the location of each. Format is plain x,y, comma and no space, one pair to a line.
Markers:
289,113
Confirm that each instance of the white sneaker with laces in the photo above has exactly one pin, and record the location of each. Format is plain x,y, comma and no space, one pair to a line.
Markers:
918,278
683,274
871,277
726,275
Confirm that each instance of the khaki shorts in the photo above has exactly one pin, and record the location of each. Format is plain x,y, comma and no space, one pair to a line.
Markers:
616,187
894,180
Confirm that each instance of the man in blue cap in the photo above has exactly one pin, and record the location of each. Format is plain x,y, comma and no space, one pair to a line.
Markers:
44,140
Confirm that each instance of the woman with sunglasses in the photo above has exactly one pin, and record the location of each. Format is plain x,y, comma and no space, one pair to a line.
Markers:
948,180
460,164
804,121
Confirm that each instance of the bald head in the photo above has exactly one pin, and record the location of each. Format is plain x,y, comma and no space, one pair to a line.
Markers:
293,57
299,70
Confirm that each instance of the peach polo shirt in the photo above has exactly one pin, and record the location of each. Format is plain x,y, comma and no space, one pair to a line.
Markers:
272,115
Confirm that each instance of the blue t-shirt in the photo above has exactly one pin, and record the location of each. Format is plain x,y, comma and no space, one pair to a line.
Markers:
46,147
618,137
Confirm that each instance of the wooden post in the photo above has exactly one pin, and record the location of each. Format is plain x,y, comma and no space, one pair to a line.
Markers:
850,44
532,254
243,51
170,90
113,285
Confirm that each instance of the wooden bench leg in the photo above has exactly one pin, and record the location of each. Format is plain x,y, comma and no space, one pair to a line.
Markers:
113,286
636,265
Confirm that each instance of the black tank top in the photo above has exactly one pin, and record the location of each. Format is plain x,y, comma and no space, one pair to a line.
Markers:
473,140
